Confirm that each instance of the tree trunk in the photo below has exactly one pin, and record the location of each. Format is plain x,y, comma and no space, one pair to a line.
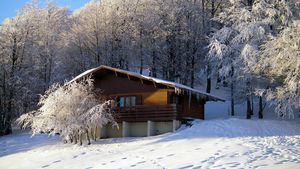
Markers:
8,128
203,13
252,107
87,136
232,100
218,80
193,72
208,79
208,85
232,91
141,52
153,69
260,111
2,103
141,64
75,138
80,138
95,133
212,8
170,40
91,133
248,108
71,139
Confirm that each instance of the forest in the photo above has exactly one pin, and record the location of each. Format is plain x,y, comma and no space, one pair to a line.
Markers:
252,47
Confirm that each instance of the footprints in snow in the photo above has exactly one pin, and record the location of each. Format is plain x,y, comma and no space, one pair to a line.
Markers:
58,161
169,155
186,167
79,155
134,165
45,166
48,165
124,158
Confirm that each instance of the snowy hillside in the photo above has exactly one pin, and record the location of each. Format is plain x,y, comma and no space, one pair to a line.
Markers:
227,143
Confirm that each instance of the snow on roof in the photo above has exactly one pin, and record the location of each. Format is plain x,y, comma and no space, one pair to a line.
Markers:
176,86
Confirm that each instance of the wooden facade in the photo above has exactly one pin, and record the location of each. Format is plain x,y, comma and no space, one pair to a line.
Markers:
141,98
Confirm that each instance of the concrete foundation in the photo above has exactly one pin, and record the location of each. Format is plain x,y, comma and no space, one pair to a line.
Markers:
176,125
109,131
150,128
139,129
125,129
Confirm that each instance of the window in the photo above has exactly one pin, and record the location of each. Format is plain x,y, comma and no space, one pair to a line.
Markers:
132,100
122,102
129,101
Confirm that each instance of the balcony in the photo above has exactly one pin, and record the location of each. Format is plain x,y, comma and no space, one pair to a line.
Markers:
143,113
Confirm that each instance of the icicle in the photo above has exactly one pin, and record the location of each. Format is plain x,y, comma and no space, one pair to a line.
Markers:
177,90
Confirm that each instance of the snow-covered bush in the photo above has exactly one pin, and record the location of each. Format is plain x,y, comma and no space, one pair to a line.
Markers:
73,110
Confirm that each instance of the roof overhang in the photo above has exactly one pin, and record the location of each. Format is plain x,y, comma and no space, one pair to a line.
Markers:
179,88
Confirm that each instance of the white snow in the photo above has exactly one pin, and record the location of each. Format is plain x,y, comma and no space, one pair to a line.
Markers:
219,143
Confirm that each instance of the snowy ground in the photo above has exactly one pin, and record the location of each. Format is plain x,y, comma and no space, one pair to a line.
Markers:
223,143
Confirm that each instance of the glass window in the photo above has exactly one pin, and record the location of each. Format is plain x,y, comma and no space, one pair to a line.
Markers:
133,98
127,102
122,101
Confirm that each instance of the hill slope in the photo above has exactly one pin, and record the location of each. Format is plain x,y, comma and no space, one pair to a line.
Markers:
228,143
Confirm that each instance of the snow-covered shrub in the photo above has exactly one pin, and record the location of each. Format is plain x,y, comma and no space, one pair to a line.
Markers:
73,110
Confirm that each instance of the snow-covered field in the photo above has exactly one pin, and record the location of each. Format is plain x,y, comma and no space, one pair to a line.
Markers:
219,143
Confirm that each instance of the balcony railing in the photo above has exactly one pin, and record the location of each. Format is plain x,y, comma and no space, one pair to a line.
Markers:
141,113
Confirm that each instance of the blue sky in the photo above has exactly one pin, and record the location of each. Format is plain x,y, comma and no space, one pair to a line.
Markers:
9,8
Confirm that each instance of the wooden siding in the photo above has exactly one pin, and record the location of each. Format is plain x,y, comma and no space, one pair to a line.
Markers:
159,97
143,113
156,103
112,83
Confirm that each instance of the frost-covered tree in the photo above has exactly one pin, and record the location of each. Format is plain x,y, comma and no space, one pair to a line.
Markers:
166,37
281,61
49,22
73,110
30,49
15,90
102,33
234,49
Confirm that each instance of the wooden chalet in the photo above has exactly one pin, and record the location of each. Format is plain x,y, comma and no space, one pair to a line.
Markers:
146,105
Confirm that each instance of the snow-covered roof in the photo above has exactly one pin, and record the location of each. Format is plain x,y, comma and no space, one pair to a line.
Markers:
178,87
